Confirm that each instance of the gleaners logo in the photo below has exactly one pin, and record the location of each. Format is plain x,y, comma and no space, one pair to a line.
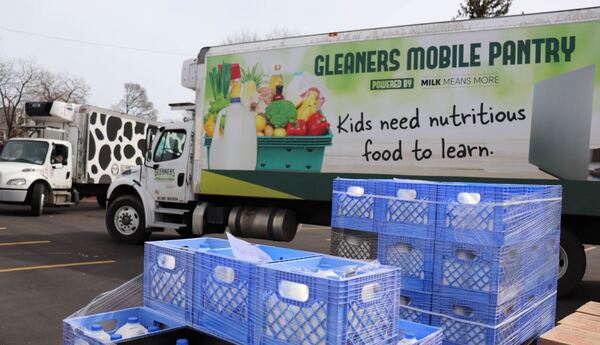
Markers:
162,174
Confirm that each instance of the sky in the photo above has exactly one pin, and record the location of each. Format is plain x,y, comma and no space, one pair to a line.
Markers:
164,33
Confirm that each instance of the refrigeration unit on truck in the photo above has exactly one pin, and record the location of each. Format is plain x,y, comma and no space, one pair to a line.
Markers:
72,151
513,99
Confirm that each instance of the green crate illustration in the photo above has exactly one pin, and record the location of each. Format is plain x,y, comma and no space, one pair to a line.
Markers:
290,153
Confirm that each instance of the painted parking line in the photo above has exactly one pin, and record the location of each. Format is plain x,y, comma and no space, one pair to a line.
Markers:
3,244
589,249
45,267
3,228
314,228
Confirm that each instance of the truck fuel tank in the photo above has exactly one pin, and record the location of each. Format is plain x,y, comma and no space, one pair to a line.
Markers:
268,223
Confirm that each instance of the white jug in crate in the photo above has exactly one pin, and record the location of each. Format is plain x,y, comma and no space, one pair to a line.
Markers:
132,328
97,332
408,339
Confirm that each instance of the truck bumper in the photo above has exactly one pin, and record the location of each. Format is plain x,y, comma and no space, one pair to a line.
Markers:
12,195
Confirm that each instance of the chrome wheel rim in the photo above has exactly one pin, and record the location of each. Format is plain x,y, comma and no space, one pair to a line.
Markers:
127,220
563,263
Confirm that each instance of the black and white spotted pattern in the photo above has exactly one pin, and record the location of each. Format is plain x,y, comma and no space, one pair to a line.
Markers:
114,145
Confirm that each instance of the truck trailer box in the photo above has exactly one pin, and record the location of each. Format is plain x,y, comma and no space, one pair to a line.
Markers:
71,151
512,99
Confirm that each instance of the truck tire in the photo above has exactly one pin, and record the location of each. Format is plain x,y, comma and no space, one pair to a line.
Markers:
125,220
37,199
185,232
572,263
75,197
101,200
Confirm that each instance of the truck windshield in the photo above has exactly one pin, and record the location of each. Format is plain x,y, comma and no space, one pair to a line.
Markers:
24,151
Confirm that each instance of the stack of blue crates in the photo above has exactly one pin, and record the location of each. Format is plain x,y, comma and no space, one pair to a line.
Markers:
297,297
487,281
479,260
355,208
406,240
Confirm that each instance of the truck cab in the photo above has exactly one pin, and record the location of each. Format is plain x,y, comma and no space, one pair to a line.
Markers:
157,194
32,170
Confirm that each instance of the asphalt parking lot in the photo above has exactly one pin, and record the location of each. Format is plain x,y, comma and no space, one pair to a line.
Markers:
56,264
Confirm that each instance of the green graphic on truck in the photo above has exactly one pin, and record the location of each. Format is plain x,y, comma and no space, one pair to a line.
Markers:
451,104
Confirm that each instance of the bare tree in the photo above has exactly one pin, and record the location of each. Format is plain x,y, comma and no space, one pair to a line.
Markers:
281,33
61,87
241,37
483,8
249,36
16,81
136,103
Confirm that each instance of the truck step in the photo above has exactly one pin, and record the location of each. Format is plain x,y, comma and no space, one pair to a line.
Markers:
165,210
61,192
168,225
64,204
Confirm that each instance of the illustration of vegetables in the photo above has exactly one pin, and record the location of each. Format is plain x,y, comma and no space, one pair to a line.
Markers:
209,126
279,132
261,122
252,78
296,128
309,103
219,79
317,124
280,113
268,131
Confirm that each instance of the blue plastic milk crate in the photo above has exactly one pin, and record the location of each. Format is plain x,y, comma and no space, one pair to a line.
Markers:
327,300
169,274
463,333
226,289
75,328
481,312
353,244
414,257
354,204
409,208
471,323
478,273
415,306
540,292
538,319
540,260
425,334
496,214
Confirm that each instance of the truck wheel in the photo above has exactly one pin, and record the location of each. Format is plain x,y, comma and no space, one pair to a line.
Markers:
101,200
125,220
37,199
572,263
75,197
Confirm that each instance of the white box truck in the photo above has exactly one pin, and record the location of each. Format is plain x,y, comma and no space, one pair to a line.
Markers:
511,99
72,151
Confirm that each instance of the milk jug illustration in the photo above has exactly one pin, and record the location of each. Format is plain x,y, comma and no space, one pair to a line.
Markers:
237,148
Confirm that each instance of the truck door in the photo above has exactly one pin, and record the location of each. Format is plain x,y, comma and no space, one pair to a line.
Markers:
168,178
62,166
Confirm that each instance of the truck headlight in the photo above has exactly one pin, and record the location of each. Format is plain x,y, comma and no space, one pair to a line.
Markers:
16,182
